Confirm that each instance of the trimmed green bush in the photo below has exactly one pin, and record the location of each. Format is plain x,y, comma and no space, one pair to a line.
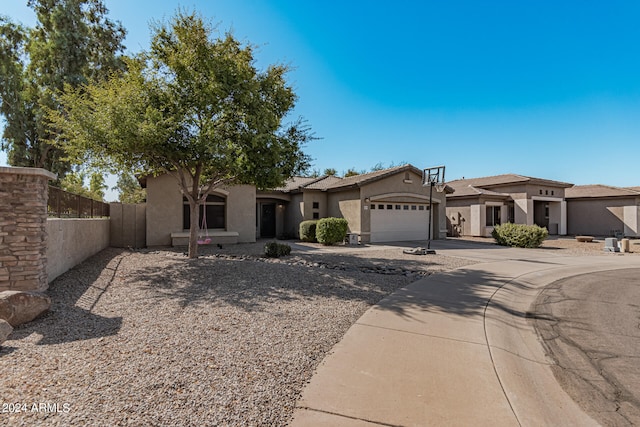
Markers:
308,231
276,250
331,230
519,235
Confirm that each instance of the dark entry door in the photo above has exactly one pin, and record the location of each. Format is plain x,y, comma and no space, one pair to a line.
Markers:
268,220
541,213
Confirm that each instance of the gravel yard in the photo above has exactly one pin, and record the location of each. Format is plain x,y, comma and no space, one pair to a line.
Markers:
152,338
565,245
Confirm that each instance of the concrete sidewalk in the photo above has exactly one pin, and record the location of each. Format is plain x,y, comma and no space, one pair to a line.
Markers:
455,348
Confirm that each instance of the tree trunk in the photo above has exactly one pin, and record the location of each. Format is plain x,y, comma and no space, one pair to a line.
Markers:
194,207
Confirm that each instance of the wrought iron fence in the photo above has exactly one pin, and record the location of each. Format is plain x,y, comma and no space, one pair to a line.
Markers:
63,204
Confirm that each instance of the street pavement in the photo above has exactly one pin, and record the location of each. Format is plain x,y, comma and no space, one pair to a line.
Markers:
455,348
589,324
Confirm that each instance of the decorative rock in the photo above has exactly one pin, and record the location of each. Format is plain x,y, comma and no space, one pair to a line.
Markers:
18,307
5,330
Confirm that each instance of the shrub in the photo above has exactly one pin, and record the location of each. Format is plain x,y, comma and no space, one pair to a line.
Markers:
519,235
276,250
308,231
331,230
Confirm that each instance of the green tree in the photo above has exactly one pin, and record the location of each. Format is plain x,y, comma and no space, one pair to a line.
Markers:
330,172
72,43
74,182
314,173
351,172
97,186
377,167
193,106
130,189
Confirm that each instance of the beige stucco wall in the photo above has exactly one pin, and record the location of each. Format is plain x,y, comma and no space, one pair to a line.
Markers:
458,219
311,196
632,221
545,191
165,210
598,217
241,212
294,215
72,240
347,205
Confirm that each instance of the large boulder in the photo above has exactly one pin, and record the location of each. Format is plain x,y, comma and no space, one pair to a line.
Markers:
5,330
18,307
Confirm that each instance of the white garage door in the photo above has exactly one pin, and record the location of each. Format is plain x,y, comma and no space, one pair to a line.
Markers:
399,222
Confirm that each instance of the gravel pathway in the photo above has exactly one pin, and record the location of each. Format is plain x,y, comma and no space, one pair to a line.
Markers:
152,338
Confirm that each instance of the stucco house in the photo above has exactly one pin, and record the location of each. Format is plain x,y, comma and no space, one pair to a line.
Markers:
603,210
386,205
476,205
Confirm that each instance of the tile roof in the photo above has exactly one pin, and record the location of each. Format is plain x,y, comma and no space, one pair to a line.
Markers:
470,190
357,180
295,183
599,190
328,182
324,183
505,179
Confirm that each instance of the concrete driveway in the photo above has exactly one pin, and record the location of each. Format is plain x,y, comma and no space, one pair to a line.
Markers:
455,348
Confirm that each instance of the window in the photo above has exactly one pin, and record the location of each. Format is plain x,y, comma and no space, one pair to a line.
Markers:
397,207
214,213
552,192
493,216
316,205
414,207
380,206
373,206
405,207
316,215
540,192
420,208
390,207
546,211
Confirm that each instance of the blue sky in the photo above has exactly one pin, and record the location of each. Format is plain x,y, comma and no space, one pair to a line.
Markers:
545,89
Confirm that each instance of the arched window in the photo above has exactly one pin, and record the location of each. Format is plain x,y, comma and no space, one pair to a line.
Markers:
214,208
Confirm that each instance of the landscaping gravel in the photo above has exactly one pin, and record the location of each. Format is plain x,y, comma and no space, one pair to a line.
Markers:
229,339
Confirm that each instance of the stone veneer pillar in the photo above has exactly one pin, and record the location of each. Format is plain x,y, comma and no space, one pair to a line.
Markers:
23,228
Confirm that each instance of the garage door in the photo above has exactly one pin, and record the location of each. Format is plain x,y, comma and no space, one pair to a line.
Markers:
399,222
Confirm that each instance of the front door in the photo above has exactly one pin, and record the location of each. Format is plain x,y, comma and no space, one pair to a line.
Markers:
268,220
541,213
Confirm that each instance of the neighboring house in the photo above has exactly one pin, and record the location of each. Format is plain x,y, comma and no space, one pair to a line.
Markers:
477,205
603,210
386,205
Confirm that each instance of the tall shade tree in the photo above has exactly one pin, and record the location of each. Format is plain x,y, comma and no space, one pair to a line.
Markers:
194,106
129,189
72,43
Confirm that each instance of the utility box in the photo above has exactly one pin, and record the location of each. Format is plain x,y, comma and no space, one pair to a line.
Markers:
611,245
354,239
